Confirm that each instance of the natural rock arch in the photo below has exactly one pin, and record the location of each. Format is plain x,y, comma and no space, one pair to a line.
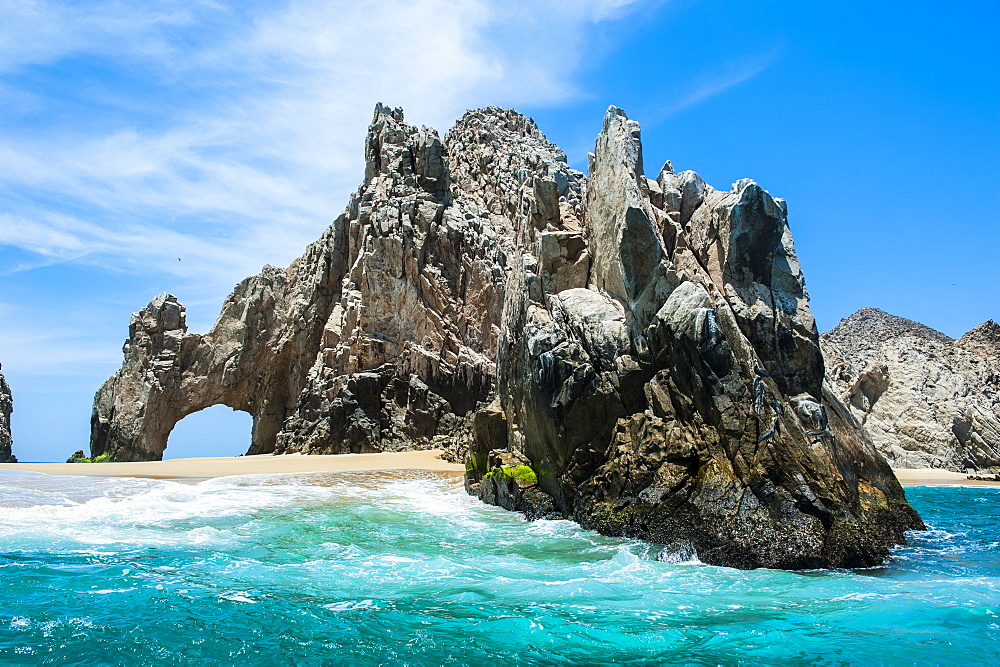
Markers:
381,336
169,374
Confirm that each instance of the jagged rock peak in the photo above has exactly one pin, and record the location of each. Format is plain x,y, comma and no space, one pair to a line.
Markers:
925,399
508,120
872,325
396,113
161,315
6,408
984,339
501,163
411,157
641,351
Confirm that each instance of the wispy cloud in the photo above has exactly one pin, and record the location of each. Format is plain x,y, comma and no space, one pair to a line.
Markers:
51,350
607,9
713,83
40,32
57,353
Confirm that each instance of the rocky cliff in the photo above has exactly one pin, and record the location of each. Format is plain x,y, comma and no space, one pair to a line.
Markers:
635,354
6,408
927,400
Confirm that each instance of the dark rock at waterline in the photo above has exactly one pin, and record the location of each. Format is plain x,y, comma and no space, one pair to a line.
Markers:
636,355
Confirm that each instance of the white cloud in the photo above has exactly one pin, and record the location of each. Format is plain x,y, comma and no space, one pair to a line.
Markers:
52,349
57,353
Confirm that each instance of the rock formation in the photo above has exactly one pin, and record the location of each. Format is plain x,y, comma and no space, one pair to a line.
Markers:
678,395
6,407
928,401
382,336
636,355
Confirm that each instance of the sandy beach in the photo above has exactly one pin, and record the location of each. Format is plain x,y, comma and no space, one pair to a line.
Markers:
249,465
423,460
936,477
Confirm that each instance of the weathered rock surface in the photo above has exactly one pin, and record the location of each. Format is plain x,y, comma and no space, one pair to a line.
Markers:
928,401
636,355
678,396
382,336
6,408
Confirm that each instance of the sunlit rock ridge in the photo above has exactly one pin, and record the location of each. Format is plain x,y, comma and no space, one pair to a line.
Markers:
926,400
637,355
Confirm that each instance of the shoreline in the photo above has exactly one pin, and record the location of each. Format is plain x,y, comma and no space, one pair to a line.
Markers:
427,460
937,477
258,464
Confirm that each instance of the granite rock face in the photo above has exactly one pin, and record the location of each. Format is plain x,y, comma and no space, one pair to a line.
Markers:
6,408
928,401
637,355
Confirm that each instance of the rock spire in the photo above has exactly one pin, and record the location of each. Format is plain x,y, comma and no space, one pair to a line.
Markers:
677,396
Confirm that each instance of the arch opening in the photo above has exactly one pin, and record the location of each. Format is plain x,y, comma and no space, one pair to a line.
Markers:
214,431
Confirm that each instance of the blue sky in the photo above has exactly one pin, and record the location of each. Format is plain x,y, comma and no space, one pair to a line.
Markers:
230,134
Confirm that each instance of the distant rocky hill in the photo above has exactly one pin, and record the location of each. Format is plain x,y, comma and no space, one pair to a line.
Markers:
927,400
6,407
634,354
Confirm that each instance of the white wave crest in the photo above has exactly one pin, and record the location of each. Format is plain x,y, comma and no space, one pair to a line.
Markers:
83,510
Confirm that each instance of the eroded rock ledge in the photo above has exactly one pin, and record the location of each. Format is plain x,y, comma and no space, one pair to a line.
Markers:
928,401
6,408
634,354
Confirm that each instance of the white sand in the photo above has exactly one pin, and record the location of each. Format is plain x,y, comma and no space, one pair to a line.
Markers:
936,477
249,465
422,460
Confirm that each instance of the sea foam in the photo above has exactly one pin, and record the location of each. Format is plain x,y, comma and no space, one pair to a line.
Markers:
405,567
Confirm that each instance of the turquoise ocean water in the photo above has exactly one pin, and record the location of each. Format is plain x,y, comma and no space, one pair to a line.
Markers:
406,568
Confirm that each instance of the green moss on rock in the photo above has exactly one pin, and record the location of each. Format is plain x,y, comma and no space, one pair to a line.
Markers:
522,474
79,457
